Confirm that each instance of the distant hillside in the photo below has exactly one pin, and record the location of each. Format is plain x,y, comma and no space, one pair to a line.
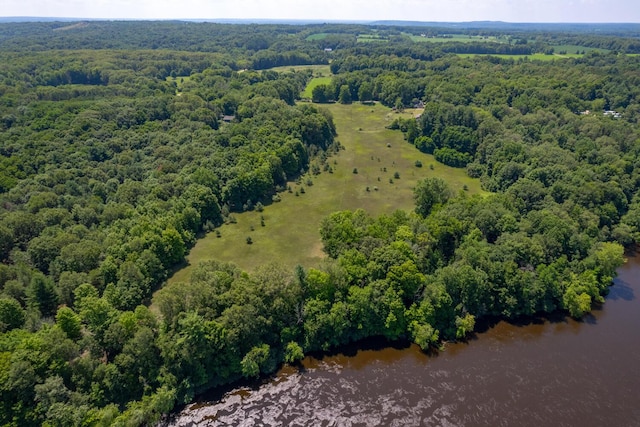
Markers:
600,28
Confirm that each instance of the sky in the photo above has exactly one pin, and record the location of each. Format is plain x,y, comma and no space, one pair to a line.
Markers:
363,10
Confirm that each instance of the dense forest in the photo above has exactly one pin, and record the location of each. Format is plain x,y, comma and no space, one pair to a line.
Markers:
122,142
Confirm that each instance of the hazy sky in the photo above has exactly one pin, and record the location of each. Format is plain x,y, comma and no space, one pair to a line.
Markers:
418,10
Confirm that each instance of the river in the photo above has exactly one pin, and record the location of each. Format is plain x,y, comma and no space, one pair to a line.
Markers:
553,372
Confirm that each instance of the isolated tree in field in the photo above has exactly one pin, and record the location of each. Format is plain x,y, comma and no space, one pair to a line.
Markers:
429,193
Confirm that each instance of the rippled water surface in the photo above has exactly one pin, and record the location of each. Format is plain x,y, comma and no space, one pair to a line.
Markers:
553,373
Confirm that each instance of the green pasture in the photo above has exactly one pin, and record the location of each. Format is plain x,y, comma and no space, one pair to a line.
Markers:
318,70
316,81
461,38
366,38
533,57
290,233
317,36
321,75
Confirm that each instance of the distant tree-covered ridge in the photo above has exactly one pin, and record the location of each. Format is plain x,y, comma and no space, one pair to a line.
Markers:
121,142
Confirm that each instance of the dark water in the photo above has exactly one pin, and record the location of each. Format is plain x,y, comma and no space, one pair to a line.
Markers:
553,373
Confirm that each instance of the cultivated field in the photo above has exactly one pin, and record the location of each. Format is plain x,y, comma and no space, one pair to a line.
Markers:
290,234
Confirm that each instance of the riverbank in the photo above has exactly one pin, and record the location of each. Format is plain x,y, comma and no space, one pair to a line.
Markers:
558,372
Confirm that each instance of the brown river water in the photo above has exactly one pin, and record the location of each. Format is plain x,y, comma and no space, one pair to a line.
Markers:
552,372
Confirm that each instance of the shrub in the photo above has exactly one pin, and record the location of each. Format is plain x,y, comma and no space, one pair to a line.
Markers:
451,157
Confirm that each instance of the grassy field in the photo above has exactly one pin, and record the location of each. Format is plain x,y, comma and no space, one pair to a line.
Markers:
321,75
316,81
462,38
318,70
534,57
290,235
367,38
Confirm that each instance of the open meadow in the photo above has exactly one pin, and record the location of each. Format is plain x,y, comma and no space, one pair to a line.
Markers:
461,38
318,70
532,57
290,233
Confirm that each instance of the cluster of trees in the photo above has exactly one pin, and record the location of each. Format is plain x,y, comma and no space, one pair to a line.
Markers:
110,168
490,48
108,173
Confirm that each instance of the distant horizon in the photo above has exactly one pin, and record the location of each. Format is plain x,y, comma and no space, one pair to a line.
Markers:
297,20
452,11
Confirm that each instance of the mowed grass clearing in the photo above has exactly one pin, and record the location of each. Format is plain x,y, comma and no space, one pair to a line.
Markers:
461,38
313,83
318,70
533,57
366,38
291,232
321,75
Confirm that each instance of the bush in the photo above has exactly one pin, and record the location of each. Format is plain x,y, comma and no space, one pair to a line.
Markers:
451,157
475,170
